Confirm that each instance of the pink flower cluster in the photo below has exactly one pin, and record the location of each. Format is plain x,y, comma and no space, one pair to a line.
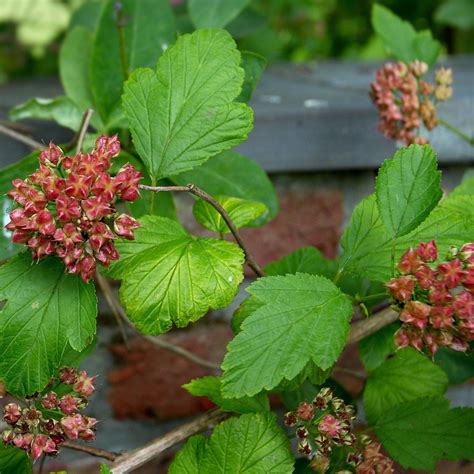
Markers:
67,207
435,299
326,423
49,418
406,102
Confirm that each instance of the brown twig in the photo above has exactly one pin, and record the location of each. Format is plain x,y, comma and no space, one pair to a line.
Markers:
192,189
98,452
136,458
86,119
21,138
366,327
119,313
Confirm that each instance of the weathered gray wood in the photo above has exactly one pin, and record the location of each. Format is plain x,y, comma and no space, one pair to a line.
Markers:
307,118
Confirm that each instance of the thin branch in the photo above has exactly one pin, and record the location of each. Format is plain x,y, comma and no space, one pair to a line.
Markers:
366,327
21,138
138,457
86,119
98,452
119,313
353,373
190,188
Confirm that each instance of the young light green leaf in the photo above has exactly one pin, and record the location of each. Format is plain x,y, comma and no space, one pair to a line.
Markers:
304,317
61,110
367,246
14,460
304,260
188,459
420,432
253,65
235,175
214,13
20,169
459,366
406,376
374,349
408,188
210,387
74,59
251,443
148,29
104,469
168,276
184,114
241,212
45,311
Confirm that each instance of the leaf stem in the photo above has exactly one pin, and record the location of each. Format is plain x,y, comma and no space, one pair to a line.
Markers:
19,137
121,22
190,188
458,132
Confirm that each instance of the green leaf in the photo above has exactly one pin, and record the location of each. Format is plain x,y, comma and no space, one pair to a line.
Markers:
304,317
459,366
310,373
253,65
14,461
252,443
408,188
456,13
465,188
304,260
168,276
419,433
235,175
104,469
214,13
210,387
401,39
149,29
246,308
46,309
367,246
20,169
74,59
188,459
184,114
61,110
374,349
406,376
241,212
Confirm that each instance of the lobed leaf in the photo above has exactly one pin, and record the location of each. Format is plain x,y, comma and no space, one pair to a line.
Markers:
14,460
184,114
304,318
170,277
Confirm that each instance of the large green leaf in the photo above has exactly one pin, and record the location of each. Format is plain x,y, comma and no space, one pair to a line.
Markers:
210,387
459,366
61,110
14,461
214,13
240,211
367,245
408,188
168,276
184,113
148,29
46,310
231,174
374,349
420,432
20,169
406,376
252,443
74,59
304,317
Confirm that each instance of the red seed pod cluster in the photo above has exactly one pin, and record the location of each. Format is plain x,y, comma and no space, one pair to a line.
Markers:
53,416
67,207
406,102
327,422
435,298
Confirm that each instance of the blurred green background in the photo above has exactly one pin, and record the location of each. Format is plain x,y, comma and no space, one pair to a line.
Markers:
31,31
